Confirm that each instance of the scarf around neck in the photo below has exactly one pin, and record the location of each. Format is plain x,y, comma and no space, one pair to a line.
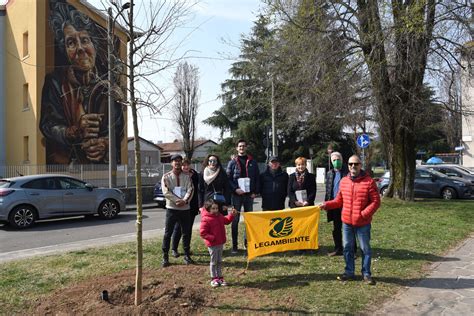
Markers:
300,178
210,175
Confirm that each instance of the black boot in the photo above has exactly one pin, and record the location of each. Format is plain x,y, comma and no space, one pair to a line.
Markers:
166,261
187,259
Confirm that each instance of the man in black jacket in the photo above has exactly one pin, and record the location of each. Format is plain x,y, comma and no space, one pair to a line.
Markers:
242,167
273,186
333,177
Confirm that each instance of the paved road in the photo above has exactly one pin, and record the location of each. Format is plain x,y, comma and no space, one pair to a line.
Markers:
55,236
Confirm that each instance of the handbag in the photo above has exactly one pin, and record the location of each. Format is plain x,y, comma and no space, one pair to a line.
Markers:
218,197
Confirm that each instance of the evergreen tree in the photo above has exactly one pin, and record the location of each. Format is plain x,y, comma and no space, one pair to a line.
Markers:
246,95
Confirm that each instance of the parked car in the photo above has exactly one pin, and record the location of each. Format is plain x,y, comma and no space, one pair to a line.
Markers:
431,183
131,173
467,169
24,200
383,182
153,173
454,171
145,173
158,196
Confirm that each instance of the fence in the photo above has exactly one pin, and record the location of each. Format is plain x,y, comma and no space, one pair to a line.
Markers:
95,174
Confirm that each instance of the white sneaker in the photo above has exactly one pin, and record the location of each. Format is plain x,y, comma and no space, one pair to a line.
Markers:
215,283
222,282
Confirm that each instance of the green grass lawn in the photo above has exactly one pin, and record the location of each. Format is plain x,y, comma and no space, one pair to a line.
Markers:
405,237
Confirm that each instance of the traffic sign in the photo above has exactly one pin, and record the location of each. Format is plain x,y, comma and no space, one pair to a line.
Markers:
363,141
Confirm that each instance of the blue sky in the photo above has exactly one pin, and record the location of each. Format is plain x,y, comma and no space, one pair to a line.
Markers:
216,21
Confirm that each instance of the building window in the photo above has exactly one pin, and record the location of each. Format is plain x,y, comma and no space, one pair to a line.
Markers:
26,152
147,160
25,97
25,44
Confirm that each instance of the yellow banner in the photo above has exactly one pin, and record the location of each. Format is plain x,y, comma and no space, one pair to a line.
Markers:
277,231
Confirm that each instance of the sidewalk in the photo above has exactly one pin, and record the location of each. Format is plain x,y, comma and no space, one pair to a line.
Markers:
447,290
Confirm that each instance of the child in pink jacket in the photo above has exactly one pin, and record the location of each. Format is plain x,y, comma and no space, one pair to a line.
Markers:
213,232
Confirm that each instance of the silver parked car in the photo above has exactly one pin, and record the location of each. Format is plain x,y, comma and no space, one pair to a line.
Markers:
23,200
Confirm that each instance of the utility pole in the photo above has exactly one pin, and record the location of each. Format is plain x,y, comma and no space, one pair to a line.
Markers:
111,105
274,134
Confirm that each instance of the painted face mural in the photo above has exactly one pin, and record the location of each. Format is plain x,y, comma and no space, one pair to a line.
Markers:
74,108
79,48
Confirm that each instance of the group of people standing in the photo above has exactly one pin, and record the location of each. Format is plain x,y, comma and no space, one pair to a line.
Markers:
220,194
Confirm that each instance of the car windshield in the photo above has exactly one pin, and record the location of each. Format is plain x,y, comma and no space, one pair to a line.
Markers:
463,169
5,183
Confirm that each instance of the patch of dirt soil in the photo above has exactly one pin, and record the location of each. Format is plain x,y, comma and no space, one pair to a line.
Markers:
176,290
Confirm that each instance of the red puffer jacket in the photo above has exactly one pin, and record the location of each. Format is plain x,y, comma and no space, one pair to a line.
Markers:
358,198
212,227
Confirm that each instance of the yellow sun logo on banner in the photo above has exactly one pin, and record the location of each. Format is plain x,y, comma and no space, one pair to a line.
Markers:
281,227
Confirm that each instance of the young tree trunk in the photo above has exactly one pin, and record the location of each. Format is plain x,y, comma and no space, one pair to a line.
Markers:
138,168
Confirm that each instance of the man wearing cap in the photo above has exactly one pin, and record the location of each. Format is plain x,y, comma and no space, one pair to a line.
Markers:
273,186
178,190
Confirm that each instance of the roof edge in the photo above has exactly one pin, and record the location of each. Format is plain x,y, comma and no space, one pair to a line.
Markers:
102,14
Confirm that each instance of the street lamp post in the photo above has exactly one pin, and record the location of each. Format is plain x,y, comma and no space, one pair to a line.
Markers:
274,134
111,105
110,101
330,151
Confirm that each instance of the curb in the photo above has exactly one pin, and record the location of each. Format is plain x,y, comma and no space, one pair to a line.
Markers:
133,207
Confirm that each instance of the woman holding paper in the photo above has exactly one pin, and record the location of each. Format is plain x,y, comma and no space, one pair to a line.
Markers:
301,185
214,184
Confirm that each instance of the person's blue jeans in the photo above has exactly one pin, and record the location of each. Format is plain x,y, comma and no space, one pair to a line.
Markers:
238,201
349,233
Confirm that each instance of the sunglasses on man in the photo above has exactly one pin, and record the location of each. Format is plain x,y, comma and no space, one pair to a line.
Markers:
353,164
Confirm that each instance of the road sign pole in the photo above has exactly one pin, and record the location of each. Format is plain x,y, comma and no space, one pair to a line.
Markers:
363,158
363,142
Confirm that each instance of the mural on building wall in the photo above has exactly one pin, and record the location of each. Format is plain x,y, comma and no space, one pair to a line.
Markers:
74,116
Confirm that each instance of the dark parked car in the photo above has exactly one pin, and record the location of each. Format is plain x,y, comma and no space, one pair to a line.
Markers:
431,183
158,196
23,200
454,171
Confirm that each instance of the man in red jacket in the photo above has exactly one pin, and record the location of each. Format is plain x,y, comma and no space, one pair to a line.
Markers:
359,199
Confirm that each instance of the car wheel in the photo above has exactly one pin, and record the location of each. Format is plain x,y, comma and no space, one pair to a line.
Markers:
22,216
109,209
448,193
383,190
